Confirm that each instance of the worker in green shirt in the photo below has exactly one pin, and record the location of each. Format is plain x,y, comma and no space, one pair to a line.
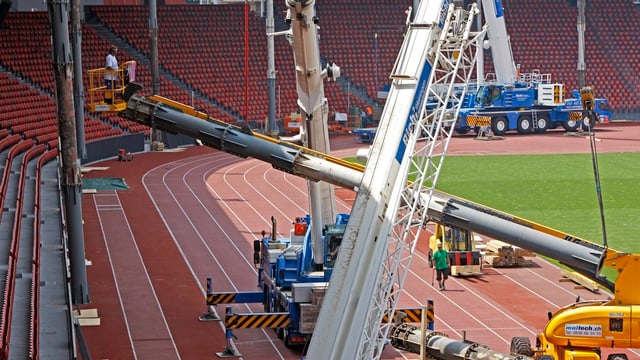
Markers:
441,261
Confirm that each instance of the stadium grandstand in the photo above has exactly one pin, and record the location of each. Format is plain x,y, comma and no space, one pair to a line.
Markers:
202,64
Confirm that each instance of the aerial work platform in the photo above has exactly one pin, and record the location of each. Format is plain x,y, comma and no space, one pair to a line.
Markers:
102,99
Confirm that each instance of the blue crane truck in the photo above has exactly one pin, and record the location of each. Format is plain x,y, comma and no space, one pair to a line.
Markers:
526,107
291,283
531,107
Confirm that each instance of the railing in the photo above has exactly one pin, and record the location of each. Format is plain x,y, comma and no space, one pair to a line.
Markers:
30,151
34,338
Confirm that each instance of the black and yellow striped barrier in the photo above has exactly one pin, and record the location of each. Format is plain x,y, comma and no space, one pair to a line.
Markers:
256,321
431,316
221,298
233,297
477,120
413,315
575,115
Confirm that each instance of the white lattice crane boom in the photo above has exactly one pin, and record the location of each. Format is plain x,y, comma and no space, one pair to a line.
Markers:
429,81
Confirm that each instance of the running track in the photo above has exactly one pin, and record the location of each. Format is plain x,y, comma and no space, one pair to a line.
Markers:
193,214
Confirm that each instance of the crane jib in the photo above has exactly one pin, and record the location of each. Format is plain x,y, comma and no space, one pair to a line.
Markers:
443,13
414,112
498,8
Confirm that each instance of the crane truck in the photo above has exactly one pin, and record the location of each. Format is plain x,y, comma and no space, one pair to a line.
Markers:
511,100
522,101
295,270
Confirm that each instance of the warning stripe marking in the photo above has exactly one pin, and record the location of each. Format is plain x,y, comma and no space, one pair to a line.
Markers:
476,120
575,115
413,315
221,298
256,321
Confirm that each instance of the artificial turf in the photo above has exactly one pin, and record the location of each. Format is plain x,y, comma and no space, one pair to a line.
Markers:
557,190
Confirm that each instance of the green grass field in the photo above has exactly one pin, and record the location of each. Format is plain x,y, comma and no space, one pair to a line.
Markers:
558,191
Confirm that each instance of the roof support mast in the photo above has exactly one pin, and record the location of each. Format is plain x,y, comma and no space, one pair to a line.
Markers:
429,81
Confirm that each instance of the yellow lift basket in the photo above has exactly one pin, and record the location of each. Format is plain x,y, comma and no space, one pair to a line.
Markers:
102,99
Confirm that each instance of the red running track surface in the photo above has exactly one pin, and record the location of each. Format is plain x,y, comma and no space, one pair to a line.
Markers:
193,214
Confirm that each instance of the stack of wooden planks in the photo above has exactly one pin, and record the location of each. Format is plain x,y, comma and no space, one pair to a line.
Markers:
501,254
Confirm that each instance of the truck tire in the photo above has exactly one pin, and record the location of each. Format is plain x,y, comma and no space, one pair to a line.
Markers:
525,124
521,345
617,357
499,125
570,125
268,306
542,124
287,341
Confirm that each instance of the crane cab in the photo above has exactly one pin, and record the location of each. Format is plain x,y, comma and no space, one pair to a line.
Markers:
102,99
464,258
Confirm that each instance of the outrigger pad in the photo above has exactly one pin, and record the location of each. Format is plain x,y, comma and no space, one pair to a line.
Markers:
227,353
209,316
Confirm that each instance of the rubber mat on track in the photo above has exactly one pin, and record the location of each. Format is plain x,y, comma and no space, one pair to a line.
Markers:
105,184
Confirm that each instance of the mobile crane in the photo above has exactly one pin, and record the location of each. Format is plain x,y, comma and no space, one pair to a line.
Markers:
439,51
509,99
526,102
294,270
313,109
375,275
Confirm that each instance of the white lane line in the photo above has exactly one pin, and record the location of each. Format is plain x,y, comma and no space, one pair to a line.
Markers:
123,278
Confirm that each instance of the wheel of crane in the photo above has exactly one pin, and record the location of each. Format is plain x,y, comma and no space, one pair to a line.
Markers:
617,357
525,124
570,125
462,130
542,124
287,341
521,345
499,125
267,304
